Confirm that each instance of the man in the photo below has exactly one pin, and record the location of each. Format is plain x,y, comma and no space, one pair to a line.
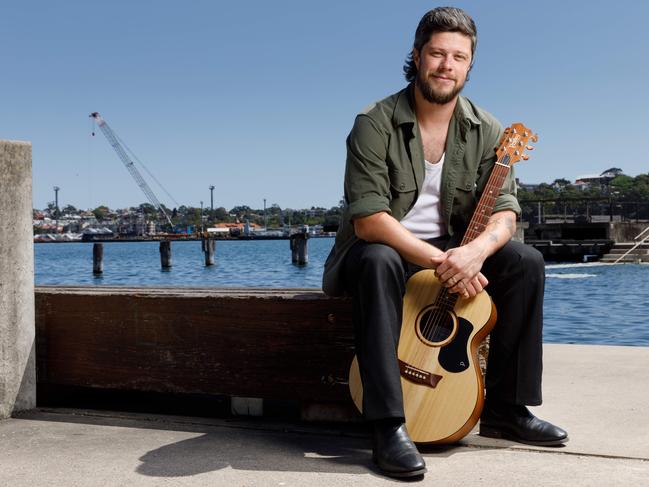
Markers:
417,162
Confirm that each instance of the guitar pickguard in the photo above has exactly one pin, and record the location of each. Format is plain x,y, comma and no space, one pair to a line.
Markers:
453,356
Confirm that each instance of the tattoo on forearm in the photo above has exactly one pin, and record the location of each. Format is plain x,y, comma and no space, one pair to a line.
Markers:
494,224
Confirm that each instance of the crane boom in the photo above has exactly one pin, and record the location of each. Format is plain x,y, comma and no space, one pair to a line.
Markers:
130,165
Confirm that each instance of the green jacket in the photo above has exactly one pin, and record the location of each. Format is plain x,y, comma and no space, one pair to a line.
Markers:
385,170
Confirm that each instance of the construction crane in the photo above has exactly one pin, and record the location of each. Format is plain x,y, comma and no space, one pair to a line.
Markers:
130,165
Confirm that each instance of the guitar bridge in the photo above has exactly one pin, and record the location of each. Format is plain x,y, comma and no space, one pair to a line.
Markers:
418,376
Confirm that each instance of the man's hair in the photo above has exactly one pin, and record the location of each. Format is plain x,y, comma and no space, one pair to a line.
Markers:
440,19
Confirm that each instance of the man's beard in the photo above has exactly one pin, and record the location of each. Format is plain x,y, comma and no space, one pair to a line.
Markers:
432,96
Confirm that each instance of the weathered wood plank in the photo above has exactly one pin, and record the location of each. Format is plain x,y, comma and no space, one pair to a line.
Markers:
293,344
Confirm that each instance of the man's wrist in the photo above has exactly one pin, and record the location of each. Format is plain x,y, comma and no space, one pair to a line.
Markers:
481,249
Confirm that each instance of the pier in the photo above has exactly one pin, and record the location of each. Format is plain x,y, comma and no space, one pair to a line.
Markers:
580,242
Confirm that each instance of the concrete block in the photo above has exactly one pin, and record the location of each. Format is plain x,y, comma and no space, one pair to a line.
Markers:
17,358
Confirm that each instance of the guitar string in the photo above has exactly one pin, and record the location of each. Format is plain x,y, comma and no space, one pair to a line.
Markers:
440,314
443,306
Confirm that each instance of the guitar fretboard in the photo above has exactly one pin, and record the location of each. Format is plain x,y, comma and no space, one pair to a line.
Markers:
487,201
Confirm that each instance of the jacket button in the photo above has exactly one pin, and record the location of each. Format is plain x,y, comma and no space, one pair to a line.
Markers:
402,186
468,185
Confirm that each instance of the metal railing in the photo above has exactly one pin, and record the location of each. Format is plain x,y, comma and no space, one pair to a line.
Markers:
637,244
569,210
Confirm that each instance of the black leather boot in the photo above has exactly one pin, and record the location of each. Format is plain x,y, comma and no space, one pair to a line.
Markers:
394,452
517,423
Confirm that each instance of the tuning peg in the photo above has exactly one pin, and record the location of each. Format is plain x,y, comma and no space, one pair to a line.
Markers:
535,138
525,157
530,147
507,130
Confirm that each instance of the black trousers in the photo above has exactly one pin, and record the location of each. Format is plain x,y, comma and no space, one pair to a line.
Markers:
376,276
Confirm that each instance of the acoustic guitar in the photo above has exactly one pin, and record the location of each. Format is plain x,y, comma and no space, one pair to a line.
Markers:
443,390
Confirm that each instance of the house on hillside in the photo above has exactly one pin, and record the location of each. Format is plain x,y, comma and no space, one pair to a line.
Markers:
600,181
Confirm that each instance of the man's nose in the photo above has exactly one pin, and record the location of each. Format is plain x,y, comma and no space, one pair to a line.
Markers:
446,62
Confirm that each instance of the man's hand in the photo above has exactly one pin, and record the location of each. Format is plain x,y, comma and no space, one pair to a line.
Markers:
458,270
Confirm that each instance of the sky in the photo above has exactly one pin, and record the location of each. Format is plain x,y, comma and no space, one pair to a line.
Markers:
257,97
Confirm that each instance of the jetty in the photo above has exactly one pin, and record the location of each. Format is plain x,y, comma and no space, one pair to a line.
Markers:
586,241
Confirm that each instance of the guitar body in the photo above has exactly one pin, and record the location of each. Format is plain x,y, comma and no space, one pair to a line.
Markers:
439,347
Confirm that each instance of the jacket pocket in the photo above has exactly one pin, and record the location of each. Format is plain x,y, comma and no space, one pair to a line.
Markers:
402,182
403,189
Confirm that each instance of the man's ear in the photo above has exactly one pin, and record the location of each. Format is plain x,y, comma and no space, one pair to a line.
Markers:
415,57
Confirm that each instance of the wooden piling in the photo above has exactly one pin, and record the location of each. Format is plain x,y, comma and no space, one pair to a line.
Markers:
208,245
299,249
165,254
97,258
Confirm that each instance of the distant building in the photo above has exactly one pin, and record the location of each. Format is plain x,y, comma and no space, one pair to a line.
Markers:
600,181
233,229
315,212
90,234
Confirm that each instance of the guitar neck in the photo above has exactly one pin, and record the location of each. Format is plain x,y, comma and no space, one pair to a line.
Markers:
480,219
510,150
488,200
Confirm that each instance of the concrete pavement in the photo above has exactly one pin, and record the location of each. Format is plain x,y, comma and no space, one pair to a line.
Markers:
598,393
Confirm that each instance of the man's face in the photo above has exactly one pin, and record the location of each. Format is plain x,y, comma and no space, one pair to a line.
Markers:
442,66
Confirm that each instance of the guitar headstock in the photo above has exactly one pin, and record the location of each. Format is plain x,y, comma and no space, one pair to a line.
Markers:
514,142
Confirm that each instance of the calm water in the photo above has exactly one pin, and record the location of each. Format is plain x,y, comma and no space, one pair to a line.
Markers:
593,304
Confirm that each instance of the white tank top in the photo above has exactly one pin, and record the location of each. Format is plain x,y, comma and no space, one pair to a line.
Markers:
424,219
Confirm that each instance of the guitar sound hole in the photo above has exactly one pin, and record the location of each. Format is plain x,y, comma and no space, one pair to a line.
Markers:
435,325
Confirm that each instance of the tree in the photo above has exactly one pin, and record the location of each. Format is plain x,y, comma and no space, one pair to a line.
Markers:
221,214
69,210
148,209
612,172
101,212
641,187
242,209
561,184
623,186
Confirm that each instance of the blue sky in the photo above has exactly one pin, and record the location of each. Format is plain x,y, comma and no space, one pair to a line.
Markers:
257,97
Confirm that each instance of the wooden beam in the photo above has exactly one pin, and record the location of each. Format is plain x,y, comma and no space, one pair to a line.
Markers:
284,344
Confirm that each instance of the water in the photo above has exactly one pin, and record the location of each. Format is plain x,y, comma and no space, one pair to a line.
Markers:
584,303
602,304
245,263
